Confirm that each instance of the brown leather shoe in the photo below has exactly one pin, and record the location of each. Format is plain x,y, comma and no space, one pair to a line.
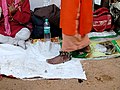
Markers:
61,58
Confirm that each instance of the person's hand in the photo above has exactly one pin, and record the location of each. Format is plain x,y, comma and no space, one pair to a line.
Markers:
12,9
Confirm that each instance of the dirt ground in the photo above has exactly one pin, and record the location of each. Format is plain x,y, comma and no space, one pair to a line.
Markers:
101,75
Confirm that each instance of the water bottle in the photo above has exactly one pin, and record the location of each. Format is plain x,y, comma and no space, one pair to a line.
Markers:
47,34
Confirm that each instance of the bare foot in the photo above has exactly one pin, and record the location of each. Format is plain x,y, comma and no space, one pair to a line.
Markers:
59,59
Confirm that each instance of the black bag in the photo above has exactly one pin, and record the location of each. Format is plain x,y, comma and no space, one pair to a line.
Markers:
115,11
37,18
52,12
38,27
104,3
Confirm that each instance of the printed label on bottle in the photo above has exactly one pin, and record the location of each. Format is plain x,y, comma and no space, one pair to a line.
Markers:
46,30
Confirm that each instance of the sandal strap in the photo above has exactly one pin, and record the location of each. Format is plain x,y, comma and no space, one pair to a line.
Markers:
64,53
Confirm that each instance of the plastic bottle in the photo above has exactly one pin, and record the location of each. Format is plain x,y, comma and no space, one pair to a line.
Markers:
47,34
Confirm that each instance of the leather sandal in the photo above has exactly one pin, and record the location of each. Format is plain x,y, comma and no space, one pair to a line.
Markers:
61,58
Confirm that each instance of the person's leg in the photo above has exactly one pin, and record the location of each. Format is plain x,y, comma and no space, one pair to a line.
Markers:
3,39
70,44
7,39
19,39
76,42
75,24
68,24
68,16
86,17
21,36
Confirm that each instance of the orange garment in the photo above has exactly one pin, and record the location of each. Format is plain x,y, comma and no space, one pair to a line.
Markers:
74,39
76,42
68,16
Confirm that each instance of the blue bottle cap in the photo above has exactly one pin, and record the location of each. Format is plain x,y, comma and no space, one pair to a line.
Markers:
46,20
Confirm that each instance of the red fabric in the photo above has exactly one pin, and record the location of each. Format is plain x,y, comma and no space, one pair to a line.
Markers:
22,16
102,20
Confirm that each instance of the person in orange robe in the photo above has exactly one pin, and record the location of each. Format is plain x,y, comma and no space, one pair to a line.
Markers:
76,22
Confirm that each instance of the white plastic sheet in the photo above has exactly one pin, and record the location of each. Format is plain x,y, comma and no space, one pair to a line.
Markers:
32,63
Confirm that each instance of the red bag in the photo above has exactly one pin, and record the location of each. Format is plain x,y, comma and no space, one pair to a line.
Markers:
102,20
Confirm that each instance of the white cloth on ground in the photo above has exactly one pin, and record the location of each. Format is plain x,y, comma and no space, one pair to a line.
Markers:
32,63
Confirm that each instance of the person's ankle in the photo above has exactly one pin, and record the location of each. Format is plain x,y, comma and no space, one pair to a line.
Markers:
65,53
61,58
